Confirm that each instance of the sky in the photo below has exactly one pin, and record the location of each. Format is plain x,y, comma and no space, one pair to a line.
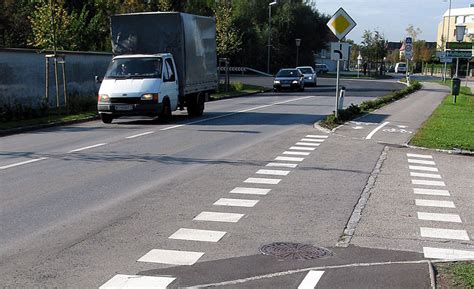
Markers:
392,17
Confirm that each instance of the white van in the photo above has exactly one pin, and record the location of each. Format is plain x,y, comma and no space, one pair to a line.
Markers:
401,67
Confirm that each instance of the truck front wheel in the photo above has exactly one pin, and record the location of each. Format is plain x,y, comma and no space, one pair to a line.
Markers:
195,104
106,118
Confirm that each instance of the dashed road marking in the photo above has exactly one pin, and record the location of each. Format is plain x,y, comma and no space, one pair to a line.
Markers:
283,165
21,163
444,234
453,218
236,202
419,156
250,191
316,140
289,159
423,162
122,281
171,257
316,136
434,203
262,181
302,148
433,192
218,217
424,175
428,183
311,280
273,172
447,254
198,235
87,147
296,153
140,134
423,168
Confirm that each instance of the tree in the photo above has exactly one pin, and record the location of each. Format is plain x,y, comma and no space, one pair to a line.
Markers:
228,38
413,32
374,48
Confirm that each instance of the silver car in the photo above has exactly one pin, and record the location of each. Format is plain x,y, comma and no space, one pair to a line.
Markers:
310,78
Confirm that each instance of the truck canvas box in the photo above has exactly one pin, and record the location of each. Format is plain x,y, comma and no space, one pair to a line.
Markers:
162,61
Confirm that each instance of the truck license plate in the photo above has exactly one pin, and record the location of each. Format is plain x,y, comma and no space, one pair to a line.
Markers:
123,107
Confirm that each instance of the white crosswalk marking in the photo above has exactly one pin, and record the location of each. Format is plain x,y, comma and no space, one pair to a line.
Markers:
283,165
273,172
423,162
316,140
423,175
296,153
308,144
262,181
428,183
447,254
218,217
432,192
419,156
423,168
311,280
122,281
444,234
235,202
250,191
316,136
171,257
434,203
302,148
289,159
197,235
453,218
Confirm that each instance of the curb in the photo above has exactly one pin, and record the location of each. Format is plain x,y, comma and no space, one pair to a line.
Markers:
453,151
240,95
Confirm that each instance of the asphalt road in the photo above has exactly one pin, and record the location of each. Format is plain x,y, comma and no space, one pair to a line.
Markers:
82,203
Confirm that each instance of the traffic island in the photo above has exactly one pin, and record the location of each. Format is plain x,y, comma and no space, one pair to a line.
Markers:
454,275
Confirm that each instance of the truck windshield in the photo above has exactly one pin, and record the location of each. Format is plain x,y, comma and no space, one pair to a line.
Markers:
149,67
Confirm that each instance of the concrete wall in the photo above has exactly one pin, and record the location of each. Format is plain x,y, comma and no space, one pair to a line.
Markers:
22,75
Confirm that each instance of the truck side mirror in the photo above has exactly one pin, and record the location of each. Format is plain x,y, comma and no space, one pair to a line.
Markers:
98,79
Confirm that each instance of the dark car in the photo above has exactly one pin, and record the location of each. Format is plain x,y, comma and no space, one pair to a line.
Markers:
289,78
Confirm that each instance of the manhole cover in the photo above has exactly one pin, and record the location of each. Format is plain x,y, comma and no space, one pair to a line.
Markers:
295,251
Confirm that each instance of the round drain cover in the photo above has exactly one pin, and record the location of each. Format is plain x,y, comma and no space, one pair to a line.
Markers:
295,251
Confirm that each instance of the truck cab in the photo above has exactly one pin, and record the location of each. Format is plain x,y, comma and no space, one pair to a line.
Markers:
139,85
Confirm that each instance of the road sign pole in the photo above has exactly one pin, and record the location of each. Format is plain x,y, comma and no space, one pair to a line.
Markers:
407,73
457,66
467,70
337,90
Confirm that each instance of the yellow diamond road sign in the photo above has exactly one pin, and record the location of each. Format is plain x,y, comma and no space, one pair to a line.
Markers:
341,23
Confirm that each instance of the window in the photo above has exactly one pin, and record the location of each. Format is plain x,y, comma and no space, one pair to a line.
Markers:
169,75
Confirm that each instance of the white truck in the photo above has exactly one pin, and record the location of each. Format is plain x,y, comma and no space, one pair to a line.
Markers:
163,61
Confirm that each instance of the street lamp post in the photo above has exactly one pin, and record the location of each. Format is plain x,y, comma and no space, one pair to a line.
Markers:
447,40
359,62
269,33
460,31
298,43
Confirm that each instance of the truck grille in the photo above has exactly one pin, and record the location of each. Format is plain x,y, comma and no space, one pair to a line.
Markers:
128,100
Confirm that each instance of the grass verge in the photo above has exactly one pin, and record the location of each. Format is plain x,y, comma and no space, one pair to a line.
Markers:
455,275
236,89
451,126
354,111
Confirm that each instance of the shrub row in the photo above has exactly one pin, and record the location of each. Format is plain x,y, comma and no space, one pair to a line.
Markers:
354,111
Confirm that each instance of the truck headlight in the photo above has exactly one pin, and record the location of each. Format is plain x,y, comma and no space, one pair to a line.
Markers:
103,98
276,82
150,96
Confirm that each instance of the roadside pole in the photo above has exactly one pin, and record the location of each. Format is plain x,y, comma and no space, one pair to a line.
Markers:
336,114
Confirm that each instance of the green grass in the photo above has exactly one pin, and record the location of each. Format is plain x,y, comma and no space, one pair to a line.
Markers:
236,89
450,126
456,275
52,119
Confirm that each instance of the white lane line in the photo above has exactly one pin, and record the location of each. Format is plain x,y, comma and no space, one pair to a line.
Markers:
423,162
171,257
432,192
423,175
302,148
262,181
122,281
236,203
311,280
371,134
289,159
434,203
21,163
308,144
316,140
218,217
296,153
444,234
428,183
273,172
447,254
283,165
88,147
316,136
453,218
419,156
237,112
198,235
250,191
140,134
423,168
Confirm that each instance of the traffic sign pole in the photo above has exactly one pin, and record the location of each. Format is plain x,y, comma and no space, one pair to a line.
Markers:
337,89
